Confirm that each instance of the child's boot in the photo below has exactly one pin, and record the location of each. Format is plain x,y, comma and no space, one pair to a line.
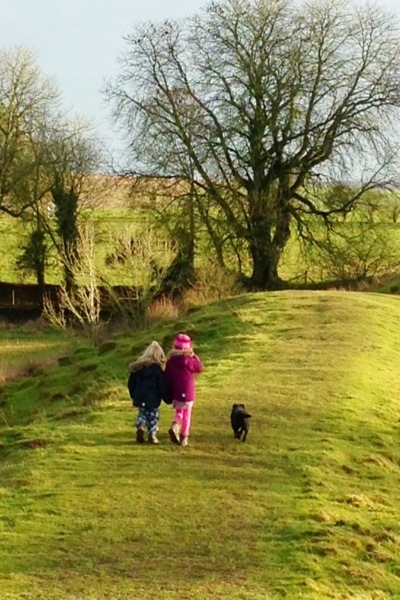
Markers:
140,433
184,440
153,439
174,433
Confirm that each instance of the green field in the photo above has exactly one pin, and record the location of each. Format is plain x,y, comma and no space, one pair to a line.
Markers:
359,251
306,509
108,227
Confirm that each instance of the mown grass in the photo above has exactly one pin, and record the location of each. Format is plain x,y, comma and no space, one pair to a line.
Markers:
308,508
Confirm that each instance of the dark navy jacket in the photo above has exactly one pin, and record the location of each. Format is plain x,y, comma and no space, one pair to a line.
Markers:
147,385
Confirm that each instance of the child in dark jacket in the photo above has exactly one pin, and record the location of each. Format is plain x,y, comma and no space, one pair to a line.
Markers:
147,387
182,364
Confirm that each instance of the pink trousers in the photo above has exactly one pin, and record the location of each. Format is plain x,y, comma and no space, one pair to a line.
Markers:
184,417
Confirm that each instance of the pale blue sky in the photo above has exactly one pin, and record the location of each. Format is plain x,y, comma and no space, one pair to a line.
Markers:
78,41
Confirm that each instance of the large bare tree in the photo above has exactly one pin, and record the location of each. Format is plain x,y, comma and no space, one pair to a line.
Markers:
263,105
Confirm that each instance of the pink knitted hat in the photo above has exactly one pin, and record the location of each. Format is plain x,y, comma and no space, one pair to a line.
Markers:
182,342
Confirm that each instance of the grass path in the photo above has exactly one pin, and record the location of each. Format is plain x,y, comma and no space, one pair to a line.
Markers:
308,508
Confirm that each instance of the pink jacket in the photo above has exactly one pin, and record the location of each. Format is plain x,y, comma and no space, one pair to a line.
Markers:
179,375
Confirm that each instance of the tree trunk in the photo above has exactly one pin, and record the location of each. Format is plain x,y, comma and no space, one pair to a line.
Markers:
266,248
181,273
69,278
40,279
66,202
265,261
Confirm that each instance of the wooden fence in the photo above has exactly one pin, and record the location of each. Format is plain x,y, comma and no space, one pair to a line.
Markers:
26,299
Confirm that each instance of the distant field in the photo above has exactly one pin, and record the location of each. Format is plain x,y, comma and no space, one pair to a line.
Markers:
306,509
119,212
108,227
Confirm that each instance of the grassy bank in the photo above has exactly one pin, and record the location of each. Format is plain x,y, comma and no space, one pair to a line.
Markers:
25,349
308,508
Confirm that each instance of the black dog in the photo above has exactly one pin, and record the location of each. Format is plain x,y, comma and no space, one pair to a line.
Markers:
240,421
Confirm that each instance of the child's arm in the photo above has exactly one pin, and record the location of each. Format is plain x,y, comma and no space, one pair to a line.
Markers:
194,364
163,388
132,386
167,379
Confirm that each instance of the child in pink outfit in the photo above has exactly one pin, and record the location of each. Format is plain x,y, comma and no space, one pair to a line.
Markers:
182,364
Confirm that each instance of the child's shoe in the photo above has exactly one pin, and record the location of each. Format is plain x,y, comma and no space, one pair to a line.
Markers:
153,439
184,440
174,433
140,434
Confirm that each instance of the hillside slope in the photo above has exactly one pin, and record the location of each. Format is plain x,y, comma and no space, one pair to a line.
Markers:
307,508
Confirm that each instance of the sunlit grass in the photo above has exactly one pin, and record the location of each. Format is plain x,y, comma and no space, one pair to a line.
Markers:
22,351
307,508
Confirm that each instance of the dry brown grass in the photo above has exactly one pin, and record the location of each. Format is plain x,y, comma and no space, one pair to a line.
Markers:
164,309
12,372
213,283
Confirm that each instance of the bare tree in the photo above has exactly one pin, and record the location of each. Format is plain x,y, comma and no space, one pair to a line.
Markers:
72,156
46,160
82,303
58,189
28,101
262,104
93,299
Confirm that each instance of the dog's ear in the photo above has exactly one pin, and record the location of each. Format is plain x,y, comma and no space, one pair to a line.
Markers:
234,405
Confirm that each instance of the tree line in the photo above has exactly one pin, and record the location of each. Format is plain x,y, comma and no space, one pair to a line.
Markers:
270,118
